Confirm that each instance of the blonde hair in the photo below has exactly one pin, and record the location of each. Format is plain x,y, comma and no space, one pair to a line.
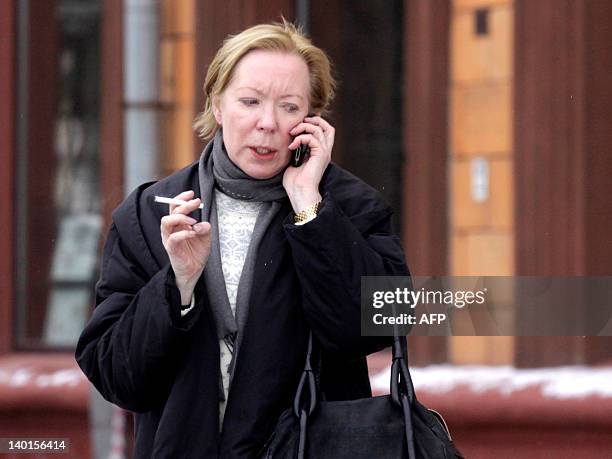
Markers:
280,37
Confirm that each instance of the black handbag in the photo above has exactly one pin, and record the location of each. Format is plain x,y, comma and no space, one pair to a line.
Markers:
394,426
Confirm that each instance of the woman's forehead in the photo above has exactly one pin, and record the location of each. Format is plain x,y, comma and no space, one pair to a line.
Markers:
263,71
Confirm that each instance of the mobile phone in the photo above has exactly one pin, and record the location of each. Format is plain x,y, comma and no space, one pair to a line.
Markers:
300,153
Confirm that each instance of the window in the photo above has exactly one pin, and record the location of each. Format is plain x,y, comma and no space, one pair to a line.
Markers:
58,221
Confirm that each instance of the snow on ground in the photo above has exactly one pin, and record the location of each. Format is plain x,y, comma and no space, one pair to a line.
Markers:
557,382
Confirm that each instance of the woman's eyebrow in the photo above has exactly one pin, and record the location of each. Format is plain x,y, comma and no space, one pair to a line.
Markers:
284,96
250,88
258,91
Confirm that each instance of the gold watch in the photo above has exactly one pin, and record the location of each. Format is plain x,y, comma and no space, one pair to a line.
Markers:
307,213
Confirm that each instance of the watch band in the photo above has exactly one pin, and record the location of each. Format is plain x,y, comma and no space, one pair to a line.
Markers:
308,213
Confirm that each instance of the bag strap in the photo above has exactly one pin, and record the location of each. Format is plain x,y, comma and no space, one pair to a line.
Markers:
401,381
307,379
402,392
302,408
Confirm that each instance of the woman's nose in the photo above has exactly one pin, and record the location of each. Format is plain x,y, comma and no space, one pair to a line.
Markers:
267,119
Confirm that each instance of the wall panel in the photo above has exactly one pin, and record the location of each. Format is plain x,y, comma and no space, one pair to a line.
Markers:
424,175
7,152
563,179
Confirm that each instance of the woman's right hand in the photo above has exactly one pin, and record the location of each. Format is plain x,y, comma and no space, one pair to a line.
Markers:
187,243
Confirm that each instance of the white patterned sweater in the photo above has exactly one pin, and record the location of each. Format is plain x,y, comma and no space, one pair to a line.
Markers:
236,222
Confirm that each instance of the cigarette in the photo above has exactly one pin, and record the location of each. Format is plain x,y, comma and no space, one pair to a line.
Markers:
178,202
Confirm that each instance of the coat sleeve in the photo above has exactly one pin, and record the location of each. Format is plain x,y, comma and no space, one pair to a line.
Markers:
331,253
129,348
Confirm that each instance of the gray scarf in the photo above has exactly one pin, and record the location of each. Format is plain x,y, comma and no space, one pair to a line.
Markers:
217,170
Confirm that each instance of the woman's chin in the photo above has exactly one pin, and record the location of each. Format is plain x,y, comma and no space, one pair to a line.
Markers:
263,176
262,172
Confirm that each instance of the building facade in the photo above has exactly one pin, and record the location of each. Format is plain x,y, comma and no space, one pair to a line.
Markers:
485,123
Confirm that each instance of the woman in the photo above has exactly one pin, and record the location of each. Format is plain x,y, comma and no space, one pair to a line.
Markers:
202,332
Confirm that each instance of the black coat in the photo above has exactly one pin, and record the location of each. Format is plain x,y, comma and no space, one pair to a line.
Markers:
141,355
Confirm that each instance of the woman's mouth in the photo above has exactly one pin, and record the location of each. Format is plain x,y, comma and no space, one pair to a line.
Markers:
263,152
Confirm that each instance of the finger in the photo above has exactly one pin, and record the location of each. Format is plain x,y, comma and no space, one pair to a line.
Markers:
174,240
187,208
317,134
170,223
184,196
306,139
328,130
202,228
166,236
309,128
177,219
321,122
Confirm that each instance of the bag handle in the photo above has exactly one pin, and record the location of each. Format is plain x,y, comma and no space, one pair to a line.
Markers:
402,392
307,379
403,396
400,372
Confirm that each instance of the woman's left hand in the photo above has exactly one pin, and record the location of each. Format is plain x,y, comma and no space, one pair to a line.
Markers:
302,183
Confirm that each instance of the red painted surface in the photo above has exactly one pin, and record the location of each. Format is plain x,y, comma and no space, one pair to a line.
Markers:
44,396
499,424
7,152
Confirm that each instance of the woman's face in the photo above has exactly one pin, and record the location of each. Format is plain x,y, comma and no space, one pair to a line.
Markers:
266,98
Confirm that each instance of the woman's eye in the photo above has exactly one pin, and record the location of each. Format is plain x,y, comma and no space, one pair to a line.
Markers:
249,102
291,108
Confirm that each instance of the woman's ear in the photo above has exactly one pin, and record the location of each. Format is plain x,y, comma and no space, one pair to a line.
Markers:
216,109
